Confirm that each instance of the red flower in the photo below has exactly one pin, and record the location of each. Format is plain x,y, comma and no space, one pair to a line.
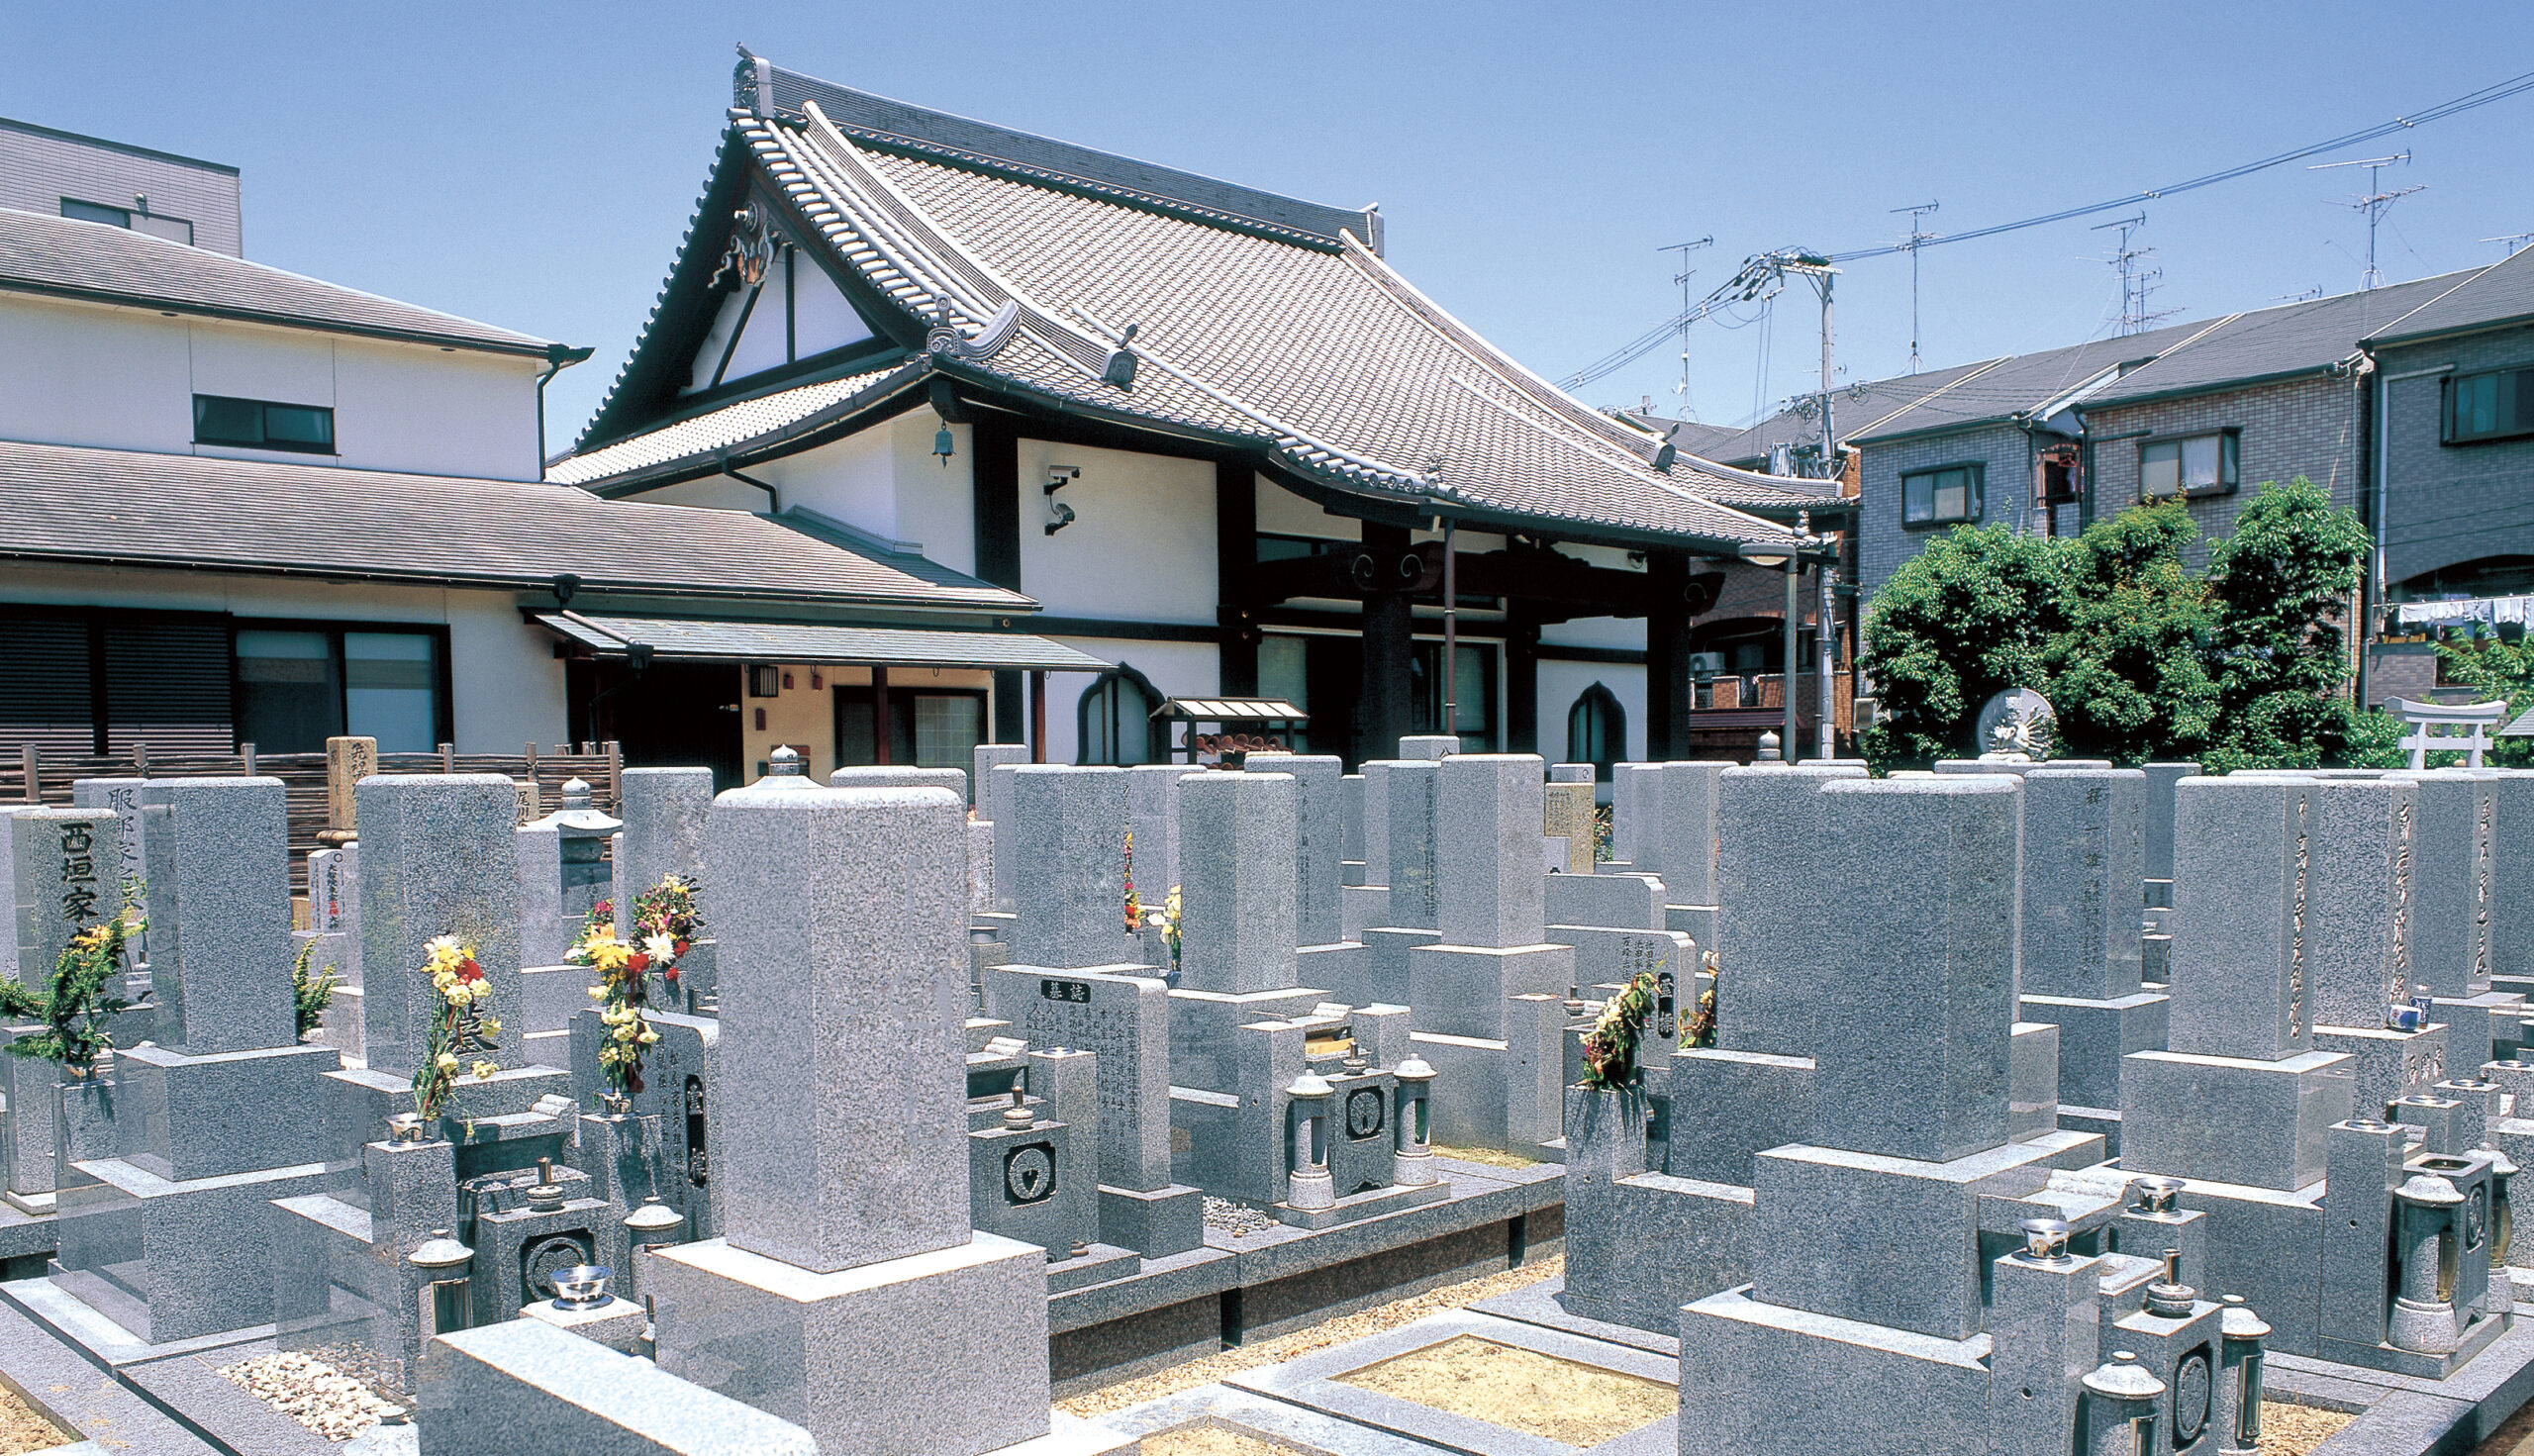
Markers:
639,963
679,948
468,970
670,974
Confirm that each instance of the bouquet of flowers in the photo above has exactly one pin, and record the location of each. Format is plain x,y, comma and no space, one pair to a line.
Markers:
624,986
666,924
1610,1049
1134,907
1166,920
459,1028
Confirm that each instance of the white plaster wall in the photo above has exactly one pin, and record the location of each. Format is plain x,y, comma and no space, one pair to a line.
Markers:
1177,669
411,407
936,498
1142,546
118,378
1283,513
113,378
852,479
505,685
1561,683
712,493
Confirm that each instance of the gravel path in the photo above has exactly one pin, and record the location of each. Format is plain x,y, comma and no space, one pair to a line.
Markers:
313,1392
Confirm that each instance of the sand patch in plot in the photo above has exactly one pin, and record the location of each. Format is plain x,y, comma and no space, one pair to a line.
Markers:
1521,1389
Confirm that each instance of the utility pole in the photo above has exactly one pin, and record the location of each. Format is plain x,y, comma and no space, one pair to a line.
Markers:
2374,203
1917,240
1686,308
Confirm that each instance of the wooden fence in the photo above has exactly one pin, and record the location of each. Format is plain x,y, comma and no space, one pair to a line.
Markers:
30,777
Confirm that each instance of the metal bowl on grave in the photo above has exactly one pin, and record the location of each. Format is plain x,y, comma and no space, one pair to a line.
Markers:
581,1287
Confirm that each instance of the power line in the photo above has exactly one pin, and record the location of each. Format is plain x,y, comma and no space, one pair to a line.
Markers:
1637,347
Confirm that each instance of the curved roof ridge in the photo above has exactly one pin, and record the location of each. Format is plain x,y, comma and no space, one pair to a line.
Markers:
1648,476
945,250
1468,340
841,203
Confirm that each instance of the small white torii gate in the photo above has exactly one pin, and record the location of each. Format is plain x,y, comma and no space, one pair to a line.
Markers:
2467,728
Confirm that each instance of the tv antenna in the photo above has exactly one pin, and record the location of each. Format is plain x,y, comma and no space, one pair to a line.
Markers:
1917,240
1682,278
2315,292
2514,241
2137,281
2374,202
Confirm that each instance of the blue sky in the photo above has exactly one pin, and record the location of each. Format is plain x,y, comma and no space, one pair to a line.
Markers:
534,165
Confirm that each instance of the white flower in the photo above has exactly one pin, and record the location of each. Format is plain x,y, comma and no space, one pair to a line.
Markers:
660,949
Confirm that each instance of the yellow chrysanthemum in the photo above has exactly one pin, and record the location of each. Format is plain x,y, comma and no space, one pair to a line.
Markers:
483,1070
447,1063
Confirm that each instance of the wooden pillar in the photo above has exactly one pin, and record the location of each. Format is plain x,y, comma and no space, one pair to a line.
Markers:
996,475
1383,713
1521,680
1235,574
1668,686
1038,715
879,714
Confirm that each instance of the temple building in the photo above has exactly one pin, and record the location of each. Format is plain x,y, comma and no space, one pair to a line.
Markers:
1208,430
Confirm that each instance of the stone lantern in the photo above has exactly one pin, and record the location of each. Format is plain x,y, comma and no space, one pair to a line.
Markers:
1307,1136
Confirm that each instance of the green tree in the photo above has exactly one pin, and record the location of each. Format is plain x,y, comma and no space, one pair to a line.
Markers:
2279,586
2493,669
1970,614
2129,677
2242,665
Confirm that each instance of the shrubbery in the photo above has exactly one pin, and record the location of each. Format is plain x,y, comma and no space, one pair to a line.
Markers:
2241,665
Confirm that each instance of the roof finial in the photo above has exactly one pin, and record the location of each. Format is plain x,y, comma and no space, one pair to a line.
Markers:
750,80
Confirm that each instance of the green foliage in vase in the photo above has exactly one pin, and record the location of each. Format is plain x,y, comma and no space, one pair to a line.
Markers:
311,993
74,1007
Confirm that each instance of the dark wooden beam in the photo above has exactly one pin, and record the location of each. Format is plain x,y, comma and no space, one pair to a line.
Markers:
996,473
1383,712
1236,572
1521,682
1668,687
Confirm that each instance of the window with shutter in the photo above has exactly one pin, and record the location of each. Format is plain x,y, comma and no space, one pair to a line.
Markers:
46,696
168,685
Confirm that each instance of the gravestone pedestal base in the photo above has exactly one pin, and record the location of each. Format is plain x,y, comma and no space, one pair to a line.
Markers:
174,1260
1727,1107
2231,1120
2500,1015
2388,1064
1366,1204
1461,989
1382,974
2094,1035
1156,1223
828,1351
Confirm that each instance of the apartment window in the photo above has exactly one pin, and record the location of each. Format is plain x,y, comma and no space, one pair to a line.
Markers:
174,230
1942,496
263,424
296,686
2493,405
2192,465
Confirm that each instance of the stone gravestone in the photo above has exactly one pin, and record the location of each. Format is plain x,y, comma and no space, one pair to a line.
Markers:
349,760
1409,799
993,791
2358,940
1069,825
1318,828
224,1111
122,796
61,880
1237,935
438,857
1152,812
846,1257
2079,943
663,810
1570,814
